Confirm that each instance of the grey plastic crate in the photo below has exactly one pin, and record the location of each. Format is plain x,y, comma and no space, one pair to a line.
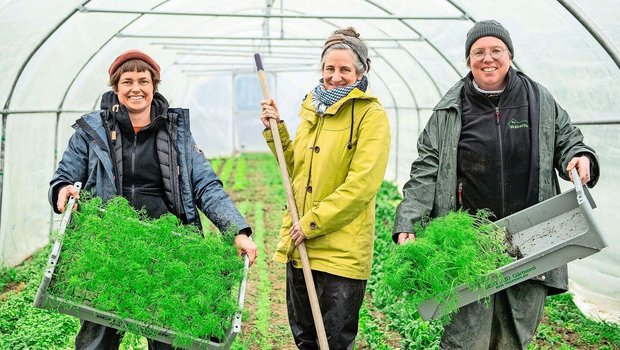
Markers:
547,235
48,301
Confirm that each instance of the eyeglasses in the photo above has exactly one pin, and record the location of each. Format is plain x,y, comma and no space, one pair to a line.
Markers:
495,52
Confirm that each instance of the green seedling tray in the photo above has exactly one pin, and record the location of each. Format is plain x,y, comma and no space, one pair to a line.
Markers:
45,300
546,235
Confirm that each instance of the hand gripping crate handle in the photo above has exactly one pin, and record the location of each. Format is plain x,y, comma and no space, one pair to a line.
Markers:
53,258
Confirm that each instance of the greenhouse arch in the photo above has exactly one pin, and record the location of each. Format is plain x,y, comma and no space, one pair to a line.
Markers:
55,56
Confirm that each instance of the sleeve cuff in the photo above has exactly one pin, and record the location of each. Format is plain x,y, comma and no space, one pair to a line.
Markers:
282,131
310,228
246,231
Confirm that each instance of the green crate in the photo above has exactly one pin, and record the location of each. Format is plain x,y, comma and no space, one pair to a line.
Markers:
48,301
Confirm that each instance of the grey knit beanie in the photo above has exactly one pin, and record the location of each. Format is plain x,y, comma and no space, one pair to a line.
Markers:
350,37
488,28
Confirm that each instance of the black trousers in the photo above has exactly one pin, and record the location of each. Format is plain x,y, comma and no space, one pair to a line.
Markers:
93,336
340,299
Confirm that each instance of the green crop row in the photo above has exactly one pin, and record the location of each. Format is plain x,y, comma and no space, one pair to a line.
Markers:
241,176
371,332
226,172
216,163
263,308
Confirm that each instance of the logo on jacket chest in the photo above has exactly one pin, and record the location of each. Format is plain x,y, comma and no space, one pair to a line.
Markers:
518,124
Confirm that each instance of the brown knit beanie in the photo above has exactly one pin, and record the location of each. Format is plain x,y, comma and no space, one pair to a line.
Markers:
488,28
350,37
134,54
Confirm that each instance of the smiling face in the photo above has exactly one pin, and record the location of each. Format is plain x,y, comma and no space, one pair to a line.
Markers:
135,91
339,69
489,73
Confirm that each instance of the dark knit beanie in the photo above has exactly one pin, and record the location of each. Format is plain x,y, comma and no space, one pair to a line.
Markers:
350,37
134,54
488,28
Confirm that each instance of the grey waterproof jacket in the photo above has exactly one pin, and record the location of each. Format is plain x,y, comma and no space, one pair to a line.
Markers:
189,180
431,191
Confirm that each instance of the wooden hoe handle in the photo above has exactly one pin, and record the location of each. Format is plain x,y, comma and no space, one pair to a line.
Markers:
305,263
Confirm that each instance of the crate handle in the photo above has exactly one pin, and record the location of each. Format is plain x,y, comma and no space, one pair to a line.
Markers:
578,187
41,295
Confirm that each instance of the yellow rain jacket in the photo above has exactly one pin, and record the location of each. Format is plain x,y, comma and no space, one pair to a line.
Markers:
334,185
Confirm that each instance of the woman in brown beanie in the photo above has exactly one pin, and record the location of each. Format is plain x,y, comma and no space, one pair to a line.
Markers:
138,147
337,162
494,141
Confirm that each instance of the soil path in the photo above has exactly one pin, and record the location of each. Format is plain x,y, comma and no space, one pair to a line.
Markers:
264,189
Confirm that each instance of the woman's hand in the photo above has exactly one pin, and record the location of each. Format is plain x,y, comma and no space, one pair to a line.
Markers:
63,197
297,234
269,111
405,237
244,244
582,164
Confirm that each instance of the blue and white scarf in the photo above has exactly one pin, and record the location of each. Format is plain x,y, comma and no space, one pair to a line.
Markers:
322,98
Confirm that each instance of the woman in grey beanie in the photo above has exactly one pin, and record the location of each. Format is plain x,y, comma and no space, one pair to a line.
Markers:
494,141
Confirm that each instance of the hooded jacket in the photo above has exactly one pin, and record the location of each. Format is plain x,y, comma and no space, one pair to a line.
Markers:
335,185
433,185
94,157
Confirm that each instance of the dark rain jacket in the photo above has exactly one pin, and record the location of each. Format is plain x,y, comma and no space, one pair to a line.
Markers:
432,189
189,182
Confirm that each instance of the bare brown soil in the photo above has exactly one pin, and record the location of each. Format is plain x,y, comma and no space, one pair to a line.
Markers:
11,287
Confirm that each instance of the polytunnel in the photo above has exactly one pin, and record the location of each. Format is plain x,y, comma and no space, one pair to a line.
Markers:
55,56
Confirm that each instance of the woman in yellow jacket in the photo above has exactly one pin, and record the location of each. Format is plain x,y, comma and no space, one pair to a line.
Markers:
337,162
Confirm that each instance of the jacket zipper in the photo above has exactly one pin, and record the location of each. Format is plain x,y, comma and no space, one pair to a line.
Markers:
460,195
501,162
133,169
174,167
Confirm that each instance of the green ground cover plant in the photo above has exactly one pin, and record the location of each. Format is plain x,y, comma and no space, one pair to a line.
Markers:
159,272
566,324
7,275
23,326
455,249
216,163
371,333
241,178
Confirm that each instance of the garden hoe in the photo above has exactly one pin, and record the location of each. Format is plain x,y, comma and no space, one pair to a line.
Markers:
314,302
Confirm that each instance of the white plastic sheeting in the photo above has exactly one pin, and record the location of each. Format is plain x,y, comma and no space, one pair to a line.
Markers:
595,281
55,54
